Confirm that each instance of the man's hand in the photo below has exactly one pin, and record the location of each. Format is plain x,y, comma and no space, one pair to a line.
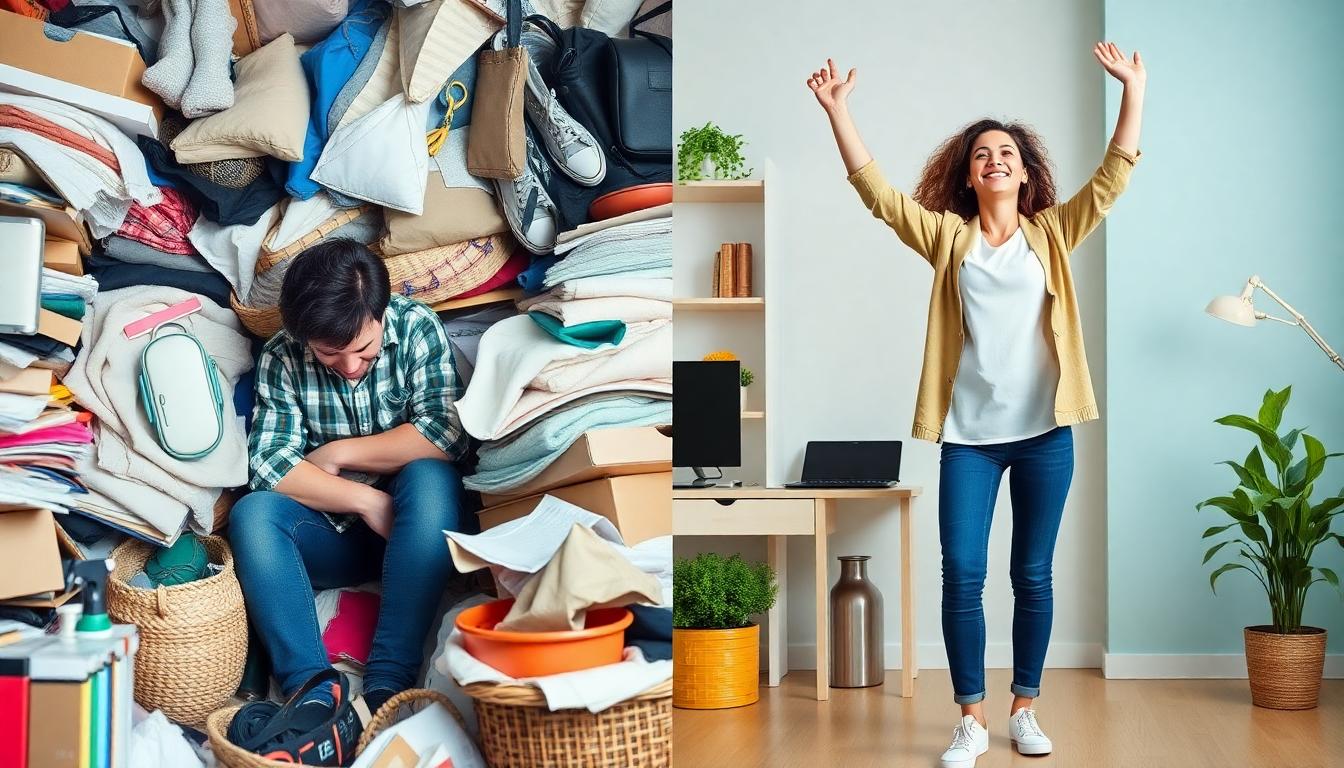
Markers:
377,512
328,457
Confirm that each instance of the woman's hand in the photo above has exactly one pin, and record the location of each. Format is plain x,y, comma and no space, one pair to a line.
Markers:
830,90
1122,69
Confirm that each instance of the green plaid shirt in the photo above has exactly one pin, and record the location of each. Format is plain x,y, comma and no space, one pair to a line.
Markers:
302,404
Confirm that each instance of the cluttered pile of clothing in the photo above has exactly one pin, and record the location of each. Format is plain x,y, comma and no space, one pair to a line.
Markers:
181,155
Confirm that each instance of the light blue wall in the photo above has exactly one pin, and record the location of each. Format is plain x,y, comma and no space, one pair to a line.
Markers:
1243,172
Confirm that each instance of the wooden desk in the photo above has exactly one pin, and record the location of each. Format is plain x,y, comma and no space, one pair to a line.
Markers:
779,512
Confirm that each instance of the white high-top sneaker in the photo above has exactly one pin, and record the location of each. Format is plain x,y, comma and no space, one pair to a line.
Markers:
1026,733
531,213
969,741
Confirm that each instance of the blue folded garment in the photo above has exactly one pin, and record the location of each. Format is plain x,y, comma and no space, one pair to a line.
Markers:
508,465
586,335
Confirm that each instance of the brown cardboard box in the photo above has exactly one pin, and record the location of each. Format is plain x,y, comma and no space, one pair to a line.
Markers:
63,256
59,327
30,560
86,60
598,453
61,223
640,506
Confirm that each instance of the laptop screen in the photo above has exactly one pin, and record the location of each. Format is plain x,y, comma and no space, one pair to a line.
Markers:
852,460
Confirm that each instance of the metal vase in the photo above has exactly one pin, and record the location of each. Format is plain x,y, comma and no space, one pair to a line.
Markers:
856,627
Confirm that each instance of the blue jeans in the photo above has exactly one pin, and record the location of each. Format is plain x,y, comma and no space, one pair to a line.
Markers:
1041,470
283,550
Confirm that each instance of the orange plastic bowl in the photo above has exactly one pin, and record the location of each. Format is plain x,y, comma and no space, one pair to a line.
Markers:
629,200
536,654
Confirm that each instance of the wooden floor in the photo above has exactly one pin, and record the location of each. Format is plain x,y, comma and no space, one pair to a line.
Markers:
1092,722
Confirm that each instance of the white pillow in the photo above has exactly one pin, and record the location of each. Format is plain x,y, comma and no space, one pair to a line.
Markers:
394,175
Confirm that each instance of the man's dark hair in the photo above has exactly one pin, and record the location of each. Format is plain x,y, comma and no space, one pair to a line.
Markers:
331,291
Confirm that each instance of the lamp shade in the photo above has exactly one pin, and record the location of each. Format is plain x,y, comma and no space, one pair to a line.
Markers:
1233,309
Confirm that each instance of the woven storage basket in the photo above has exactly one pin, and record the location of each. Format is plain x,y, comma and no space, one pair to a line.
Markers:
1285,670
517,730
439,274
193,637
232,756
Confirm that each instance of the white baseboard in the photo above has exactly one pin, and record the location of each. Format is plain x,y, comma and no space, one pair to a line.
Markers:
934,656
1156,666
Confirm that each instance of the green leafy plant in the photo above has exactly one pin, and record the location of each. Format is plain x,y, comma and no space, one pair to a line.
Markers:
1275,527
725,150
710,591
747,376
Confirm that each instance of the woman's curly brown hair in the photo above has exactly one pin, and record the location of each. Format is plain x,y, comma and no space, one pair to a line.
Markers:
942,184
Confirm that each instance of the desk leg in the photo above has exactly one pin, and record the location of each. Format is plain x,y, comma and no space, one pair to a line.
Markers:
776,621
908,663
821,564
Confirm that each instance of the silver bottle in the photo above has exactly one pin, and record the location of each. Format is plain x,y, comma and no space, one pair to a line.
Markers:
856,627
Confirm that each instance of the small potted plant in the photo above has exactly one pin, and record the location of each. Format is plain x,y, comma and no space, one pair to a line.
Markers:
747,378
715,647
1275,532
708,151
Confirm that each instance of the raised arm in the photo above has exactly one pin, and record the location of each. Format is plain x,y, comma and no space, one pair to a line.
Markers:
1080,214
916,226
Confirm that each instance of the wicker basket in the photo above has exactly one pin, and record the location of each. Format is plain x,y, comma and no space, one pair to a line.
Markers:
232,756
1285,670
517,730
193,637
437,274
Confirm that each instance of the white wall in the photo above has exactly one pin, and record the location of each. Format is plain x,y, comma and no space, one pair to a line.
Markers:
849,300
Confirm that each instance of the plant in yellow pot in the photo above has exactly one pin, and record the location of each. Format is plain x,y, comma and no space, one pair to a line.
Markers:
715,647
1275,531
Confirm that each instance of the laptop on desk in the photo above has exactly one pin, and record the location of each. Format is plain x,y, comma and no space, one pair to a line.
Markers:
850,464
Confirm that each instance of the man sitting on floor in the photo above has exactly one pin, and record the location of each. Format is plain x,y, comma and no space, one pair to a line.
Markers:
353,439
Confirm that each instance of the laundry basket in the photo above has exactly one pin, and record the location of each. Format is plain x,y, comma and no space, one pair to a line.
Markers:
193,637
518,730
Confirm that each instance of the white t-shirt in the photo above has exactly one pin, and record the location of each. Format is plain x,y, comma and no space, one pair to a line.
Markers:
1006,382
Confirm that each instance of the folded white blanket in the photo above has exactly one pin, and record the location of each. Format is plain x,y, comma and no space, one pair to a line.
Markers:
511,354
647,356
103,379
609,285
536,402
627,308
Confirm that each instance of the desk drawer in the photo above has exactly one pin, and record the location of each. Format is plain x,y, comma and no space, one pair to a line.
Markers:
743,517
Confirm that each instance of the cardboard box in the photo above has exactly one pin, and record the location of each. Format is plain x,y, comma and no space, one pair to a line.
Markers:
640,506
59,327
113,67
30,560
598,453
63,256
28,381
61,223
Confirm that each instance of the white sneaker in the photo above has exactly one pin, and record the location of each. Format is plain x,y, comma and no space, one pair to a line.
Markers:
1026,733
531,213
969,741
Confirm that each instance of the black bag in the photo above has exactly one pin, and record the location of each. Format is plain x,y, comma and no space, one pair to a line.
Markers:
270,730
630,117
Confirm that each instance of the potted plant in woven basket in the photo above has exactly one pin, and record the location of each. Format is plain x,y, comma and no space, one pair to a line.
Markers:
715,647
1275,531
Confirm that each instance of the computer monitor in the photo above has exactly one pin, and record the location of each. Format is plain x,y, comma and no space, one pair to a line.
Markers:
706,416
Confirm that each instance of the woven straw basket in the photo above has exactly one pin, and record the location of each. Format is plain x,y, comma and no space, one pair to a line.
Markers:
438,274
517,730
396,709
193,637
1285,670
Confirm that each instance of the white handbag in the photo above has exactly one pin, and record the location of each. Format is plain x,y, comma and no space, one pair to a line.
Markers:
179,387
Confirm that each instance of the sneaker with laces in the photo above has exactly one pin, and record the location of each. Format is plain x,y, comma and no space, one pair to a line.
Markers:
572,146
530,211
969,741
1026,733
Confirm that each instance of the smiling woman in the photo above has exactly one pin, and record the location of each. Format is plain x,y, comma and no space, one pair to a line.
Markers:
987,157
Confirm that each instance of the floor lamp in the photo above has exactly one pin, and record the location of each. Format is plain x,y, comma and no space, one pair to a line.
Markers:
1240,310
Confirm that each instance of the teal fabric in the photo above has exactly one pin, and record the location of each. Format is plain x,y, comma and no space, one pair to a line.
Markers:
587,335
72,308
184,562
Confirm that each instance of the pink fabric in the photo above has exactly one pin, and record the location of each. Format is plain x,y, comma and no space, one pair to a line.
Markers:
66,433
349,634
506,274
17,117
164,226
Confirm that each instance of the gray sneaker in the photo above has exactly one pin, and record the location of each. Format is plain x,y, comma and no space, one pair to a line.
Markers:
529,209
567,141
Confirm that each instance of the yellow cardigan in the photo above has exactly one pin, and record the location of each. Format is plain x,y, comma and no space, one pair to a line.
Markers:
944,239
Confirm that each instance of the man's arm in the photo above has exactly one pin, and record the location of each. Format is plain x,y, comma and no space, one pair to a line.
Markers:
381,454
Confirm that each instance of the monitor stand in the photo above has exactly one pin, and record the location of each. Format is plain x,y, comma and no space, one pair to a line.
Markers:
703,480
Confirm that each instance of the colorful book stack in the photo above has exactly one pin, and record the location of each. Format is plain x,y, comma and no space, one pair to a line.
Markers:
67,701
732,271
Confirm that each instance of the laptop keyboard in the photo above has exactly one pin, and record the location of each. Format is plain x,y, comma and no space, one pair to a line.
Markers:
837,483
